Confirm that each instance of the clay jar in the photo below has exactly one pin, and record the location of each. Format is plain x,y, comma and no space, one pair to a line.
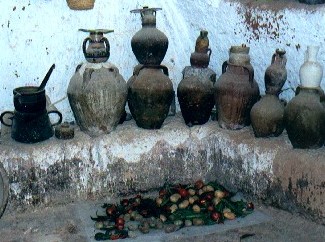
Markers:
149,44
97,95
98,49
276,74
150,95
201,56
236,90
195,95
267,114
195,92
311,72
305,119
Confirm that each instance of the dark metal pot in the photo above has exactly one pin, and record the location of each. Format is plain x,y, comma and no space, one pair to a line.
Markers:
29,99
31,127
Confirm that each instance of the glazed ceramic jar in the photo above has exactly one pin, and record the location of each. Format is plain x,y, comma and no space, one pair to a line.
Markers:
195,92
267,114
97,94
311,72
150,95
305,119
236,90
149,44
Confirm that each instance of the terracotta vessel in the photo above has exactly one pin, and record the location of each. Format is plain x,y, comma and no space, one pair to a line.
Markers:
98,49
97,95
267,114
201,56
276,74
311,72
195,92
149,44
305,119
150,95
236,90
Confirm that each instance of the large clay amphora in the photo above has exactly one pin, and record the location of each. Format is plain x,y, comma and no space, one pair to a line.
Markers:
305,119
97,94
236,90
150,95
195,94
149,44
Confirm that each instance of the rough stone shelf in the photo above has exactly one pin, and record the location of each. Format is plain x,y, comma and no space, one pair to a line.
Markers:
131,159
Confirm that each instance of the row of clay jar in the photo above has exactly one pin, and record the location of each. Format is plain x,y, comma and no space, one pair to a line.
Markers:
235,94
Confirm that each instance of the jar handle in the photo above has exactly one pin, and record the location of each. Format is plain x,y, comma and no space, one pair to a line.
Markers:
105,40
84,45
58,113
164,68
251,74
2,116
209,51
224,66
273,58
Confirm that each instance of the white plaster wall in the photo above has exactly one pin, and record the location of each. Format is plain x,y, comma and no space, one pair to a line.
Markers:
36,33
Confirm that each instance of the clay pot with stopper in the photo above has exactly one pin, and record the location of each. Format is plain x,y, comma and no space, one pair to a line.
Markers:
97,92
195,92
267,114
305,114
201,56
149,44
236,90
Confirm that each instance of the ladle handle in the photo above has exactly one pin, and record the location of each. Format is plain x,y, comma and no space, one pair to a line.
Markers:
46,78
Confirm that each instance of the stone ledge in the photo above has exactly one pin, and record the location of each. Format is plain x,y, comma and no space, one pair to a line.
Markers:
132,159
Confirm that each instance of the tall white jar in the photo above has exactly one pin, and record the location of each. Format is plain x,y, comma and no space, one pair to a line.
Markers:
311,72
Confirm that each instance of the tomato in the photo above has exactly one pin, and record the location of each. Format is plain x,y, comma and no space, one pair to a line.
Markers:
215,216
183,192
209,196
119,226
202,202
110,210
199,184
250,206
125,202
211,208
162,192
119,221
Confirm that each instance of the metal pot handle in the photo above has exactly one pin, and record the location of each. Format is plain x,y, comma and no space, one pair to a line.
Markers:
60,116
2,116
164,68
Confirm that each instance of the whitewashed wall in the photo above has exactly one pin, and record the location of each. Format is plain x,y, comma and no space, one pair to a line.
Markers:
36,33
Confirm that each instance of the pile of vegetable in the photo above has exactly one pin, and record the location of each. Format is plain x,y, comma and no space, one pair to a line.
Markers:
175,207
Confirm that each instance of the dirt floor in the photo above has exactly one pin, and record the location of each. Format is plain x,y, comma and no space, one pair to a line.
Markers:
70,223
